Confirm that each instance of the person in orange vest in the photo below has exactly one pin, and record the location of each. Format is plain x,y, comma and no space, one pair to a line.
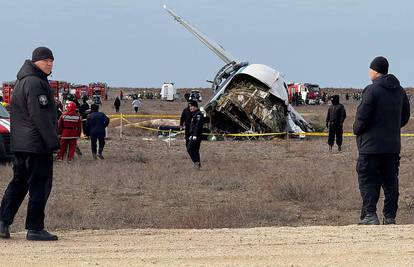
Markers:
69,130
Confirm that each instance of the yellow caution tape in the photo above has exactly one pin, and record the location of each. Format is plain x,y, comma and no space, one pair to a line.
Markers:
161,116
154,116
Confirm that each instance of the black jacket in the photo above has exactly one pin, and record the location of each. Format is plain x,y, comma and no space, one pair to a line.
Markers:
33,113
185,119
96,124
383,111
83,110
336,115
196,127
117,102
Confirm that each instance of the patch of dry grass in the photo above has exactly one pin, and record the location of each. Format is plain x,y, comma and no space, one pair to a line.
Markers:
144,184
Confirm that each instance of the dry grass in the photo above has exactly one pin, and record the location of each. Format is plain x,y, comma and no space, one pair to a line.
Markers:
242,184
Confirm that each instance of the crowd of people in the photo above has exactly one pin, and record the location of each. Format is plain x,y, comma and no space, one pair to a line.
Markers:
36,134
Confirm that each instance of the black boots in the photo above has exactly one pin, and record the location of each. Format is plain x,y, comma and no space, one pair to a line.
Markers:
370,219
4,230
33,235
41,235
387,221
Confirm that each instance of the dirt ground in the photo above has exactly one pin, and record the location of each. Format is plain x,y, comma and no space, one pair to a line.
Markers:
145,184
302,246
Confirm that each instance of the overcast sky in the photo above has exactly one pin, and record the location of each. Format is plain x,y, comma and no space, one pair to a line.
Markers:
136,43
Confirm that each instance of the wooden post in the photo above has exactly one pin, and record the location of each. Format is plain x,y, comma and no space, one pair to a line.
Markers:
287,137
122,126
169,139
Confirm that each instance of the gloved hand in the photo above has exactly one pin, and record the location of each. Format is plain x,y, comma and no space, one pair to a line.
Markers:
193,138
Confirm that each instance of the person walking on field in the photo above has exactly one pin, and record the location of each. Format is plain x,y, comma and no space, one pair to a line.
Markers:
383,111
69,129
117,104
33,140
96,125
136,104
335,121
196,132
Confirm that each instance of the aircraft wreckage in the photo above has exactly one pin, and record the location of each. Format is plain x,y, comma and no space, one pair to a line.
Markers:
247,97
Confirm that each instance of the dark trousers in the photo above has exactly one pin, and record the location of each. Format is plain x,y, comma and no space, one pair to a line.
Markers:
31,173
94,146
116,109
187,136
335,131
376,171
136,109
193,150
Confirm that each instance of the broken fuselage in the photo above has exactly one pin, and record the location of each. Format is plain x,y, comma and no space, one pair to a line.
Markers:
247,97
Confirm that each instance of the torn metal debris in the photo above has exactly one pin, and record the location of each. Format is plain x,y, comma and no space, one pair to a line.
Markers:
247,97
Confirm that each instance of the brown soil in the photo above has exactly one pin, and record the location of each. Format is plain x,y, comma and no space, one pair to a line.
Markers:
302,246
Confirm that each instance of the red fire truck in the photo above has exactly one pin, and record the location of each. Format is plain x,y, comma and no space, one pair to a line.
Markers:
5,152
7,91
60,88
79,90
309,93
98,91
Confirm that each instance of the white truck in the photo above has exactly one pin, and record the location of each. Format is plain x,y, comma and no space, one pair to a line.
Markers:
168,92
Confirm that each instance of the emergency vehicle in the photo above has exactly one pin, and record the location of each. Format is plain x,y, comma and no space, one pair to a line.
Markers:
310,93
79,90
168,92
7,91
5,152
195,95
60,89
97,91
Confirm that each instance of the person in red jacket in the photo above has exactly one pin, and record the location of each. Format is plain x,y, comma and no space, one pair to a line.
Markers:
69,130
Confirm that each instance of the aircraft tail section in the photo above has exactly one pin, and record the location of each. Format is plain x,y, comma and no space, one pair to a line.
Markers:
213,46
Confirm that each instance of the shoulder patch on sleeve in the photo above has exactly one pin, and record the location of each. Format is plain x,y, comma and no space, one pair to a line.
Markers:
43,100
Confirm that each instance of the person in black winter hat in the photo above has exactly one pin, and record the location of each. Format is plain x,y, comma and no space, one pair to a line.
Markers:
335,121
33,140
42,53
380,65
383,111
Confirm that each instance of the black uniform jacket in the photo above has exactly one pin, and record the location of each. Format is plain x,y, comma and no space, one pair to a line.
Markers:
96,124
196,127
336,115
33,113
185,119
384,109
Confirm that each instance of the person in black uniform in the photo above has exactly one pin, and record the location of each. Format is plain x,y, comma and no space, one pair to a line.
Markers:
117,104
33,140
83,112
383,111
196,131
335,121
96,124
185,122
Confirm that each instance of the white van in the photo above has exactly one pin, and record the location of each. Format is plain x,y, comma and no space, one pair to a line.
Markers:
168,92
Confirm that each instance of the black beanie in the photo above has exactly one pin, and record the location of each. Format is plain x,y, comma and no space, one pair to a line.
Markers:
380,64
42,53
